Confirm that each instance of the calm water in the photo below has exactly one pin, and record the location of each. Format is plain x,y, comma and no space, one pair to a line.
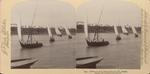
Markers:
124,54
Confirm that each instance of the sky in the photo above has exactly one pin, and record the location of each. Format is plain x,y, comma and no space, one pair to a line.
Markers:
56,13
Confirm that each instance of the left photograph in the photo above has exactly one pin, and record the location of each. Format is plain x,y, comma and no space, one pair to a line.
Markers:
40,34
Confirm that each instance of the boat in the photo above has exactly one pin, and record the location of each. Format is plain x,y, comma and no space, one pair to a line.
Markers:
95,41
134,31
29,43
117,33
124,30
98,43
68,33
88,62
50,35
24,63
58,33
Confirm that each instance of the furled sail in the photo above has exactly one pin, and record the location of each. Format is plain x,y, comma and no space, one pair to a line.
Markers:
19,31
133,29
86,30
67,31
116,30
29,43
117,33
57,31
49,32
124,29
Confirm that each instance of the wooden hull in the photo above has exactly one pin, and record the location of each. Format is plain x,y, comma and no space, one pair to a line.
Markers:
118,38
60,35
136,35
16,60
126,33
32,45
22,63
88,62
69,37
100,43
52,40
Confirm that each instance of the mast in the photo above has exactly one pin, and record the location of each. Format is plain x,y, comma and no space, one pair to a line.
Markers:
30,29
96,35
100,16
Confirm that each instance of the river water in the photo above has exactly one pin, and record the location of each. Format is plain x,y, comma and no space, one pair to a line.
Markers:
61,54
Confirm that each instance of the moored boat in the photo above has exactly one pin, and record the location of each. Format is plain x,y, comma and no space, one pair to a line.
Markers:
88,62
24,63
95,41
29,43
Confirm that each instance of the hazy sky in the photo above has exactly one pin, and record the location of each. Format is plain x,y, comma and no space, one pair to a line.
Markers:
58,13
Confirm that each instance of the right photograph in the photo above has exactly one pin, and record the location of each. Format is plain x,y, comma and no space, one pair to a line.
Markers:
110,32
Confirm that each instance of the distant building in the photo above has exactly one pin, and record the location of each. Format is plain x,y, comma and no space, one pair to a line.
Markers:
80,26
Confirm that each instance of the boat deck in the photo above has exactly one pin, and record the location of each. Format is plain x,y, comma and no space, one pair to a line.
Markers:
23,63
88,63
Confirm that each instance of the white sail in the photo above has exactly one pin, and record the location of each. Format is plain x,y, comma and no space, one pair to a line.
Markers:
57,31
67,31
19,32
133,29
124,29
49,32
86,30
116,30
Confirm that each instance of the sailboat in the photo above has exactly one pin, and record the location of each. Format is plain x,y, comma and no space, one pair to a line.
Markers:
124,30
95,41
68,33
134,31
116,32
29,43
50,35
58,33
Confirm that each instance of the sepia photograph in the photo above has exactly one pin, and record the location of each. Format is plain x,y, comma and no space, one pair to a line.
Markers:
99,34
